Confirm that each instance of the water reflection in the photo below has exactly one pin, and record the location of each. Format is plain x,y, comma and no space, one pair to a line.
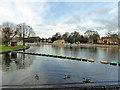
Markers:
13,55
57,49
96,53
14,61
119,66
6,61
22,68
22,61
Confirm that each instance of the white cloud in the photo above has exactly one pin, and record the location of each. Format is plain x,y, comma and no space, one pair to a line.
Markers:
47,30
114,10
99,25
19,12
90,24
32,14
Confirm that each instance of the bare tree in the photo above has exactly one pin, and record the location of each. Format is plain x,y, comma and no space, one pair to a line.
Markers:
20,31
9,31
93,38
25,31
65,35
56,36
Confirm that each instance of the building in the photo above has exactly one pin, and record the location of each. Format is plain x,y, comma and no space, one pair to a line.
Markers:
43,40
13,44
59,42
108,40
32,39
49,40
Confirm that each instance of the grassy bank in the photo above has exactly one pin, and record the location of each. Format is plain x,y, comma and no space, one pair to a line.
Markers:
4,48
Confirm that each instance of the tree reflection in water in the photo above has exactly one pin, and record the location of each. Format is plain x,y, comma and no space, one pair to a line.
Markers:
119,65
13,61
6,61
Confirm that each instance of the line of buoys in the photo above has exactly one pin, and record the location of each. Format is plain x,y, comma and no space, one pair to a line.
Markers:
68,57
111,63
56,56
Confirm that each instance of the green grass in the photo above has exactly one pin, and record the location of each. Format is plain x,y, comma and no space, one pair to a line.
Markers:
4,48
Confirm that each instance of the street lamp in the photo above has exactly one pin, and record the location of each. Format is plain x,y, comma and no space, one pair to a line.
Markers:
23,31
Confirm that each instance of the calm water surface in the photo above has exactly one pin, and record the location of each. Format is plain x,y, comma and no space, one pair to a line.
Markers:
20,69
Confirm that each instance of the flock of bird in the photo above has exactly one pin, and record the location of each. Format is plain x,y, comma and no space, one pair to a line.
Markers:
85,80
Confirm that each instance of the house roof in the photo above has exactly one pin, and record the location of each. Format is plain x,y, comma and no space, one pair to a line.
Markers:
106,38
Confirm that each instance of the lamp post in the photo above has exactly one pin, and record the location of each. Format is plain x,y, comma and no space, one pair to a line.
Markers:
23,35
23,31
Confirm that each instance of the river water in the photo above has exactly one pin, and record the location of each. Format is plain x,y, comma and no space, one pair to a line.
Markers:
20,69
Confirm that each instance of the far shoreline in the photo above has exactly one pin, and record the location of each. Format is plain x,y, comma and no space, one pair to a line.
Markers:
74,45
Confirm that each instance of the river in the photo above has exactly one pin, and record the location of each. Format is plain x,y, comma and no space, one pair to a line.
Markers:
20,69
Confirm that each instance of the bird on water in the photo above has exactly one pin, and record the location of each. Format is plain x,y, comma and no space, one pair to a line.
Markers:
36,76
67,76
86,80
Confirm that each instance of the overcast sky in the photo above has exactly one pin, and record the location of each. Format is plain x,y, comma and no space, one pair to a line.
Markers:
47,18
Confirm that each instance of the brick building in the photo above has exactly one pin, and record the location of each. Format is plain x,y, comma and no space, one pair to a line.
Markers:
108,40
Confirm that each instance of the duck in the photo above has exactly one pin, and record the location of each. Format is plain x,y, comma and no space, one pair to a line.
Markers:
67,76
86,80
36,76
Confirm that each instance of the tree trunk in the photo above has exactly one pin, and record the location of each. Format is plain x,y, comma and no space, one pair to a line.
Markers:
23,43
6,43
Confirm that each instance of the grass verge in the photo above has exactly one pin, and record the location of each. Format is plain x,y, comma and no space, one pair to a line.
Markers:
5,48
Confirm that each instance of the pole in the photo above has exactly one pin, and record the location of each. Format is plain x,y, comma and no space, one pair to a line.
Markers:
23,35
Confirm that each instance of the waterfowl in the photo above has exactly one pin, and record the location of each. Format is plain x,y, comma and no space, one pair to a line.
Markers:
86,80
67,76
36,76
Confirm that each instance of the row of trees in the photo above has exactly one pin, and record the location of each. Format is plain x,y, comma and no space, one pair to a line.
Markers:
89,36
76,37
11,31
